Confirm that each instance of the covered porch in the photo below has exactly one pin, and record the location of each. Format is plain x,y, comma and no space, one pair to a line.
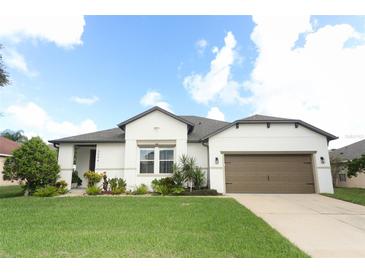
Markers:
76,157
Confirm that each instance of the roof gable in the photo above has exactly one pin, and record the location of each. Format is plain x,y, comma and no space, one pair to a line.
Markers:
138,116
257,119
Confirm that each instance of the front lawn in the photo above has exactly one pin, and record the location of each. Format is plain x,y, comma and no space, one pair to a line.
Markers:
136,227
353,195
11,191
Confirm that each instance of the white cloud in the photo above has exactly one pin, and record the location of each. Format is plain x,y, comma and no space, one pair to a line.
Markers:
34,120
64,31
201,45
215,113
15,60
217,82
84,100
154,98
321,82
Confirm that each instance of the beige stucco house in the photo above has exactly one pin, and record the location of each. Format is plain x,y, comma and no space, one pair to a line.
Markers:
344,154
256,154
6,148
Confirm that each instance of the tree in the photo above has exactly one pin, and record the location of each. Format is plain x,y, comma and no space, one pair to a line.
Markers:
16,136
4,77
34,163
337,166
355,166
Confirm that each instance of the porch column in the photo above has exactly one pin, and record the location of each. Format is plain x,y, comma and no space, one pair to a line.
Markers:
65,160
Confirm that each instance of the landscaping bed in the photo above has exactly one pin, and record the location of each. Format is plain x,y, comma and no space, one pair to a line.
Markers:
136,227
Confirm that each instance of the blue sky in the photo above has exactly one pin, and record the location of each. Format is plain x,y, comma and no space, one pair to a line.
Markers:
122,58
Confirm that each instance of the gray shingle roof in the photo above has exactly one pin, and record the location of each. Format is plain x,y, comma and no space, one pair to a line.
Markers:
113,135
350,152
179,118
274,120
200,128
258,117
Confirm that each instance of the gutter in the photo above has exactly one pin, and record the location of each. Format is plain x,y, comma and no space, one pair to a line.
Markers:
208,171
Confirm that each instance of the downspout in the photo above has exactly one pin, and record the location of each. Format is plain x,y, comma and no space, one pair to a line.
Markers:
208,171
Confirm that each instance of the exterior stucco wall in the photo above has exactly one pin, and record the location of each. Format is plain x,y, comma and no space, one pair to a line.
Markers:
200,154
358,181
279,138
65,160
110,159
153,130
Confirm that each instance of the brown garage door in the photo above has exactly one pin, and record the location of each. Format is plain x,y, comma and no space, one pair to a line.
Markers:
269,174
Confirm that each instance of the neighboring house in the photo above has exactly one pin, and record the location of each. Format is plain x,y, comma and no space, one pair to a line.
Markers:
260,154
6,148
344,154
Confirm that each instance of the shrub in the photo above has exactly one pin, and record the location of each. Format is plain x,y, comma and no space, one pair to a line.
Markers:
163,186
62,190
61,187
61,184
34,163
186,171
93,190
178,190
117,185
46,191
141,189
198,177
92,177
75,178
105,181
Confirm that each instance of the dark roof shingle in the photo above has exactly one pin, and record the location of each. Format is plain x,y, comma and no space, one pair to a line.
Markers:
200,128
349,152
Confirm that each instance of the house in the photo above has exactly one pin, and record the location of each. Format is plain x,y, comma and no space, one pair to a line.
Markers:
344,154
260,154
6,148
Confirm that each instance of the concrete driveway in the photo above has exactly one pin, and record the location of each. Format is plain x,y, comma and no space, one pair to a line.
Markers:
320,226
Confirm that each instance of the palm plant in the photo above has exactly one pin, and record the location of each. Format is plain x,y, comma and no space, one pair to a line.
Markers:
187,165
16,136
198,177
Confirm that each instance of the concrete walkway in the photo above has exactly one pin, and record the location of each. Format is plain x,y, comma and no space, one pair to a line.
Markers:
320,226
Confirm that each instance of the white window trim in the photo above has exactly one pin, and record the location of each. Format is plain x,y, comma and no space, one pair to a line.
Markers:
156,163
139,160
173,158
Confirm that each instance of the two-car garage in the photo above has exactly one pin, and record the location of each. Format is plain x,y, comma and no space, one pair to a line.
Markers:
270,173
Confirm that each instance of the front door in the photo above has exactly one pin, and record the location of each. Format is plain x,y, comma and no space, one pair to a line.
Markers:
92,159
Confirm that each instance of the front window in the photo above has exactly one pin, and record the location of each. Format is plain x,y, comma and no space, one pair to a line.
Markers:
166,160
342,178
147,159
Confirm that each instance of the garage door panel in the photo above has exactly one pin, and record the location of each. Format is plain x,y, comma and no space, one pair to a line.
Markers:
269,173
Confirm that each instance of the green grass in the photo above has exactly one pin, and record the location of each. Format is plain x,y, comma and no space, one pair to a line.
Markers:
11,191
353,195
136,227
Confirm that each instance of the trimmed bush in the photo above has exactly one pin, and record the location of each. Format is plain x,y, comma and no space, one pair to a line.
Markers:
141,189
93,190
117,185
34,163
92,177
47,191
166,186
61,184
